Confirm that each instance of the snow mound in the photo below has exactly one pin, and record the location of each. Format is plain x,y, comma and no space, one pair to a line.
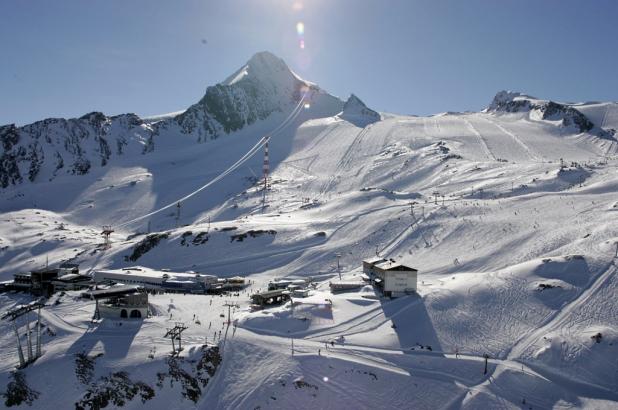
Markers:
356,112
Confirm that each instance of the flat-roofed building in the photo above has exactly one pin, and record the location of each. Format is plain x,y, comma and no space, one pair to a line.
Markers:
71,281
158,279
393,278
120,302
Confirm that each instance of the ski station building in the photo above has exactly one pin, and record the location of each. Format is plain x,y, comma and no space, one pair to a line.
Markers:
120,302
392,278
151,279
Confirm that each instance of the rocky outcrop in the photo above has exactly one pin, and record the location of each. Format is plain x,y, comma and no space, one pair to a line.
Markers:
564,114
356,112
45,149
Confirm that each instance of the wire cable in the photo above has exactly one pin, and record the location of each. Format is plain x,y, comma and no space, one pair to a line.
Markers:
291,117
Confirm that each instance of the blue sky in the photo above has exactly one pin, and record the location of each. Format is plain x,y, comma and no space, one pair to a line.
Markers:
69,57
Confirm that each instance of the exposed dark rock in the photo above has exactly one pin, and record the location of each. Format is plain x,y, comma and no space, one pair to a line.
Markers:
145,245
252,233
116,389
18,392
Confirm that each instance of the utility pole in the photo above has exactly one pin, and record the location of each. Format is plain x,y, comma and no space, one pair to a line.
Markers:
486,356
435,194
377,252
338,255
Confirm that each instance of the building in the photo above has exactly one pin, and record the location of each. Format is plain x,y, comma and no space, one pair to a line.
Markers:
280,283
345,285
71,281
42,281
392,278
22,281
271,297
120,302
368,265
158,279
300,293
223,285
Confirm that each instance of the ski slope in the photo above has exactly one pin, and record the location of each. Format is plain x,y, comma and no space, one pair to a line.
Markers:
488,206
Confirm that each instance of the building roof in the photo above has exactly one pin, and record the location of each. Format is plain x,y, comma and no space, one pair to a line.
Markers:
342,285
269,293
73,277
374,260
156,274
390,265
113,291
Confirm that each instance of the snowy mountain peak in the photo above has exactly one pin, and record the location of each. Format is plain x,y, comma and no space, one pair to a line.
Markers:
356,112
263,67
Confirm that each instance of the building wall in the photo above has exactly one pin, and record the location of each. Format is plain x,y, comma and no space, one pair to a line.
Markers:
115,312
400,281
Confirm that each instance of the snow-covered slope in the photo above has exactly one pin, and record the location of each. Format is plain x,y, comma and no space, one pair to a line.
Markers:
509,215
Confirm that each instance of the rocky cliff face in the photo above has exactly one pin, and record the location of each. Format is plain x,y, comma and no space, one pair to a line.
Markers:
44,149
263,86
356,112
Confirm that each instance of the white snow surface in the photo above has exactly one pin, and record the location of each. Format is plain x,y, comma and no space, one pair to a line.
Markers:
495,216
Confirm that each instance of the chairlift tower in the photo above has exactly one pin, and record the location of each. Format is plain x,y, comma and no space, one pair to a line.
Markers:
107,231
436,194
230,305
175,333
16,313
265,172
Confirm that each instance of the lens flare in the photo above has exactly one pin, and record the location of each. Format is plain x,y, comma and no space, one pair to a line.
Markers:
307,106
302,44
300,28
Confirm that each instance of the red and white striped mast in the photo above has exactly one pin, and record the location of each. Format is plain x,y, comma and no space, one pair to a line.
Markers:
265,171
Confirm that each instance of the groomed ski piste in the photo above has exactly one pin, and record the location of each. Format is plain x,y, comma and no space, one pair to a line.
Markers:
513,228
